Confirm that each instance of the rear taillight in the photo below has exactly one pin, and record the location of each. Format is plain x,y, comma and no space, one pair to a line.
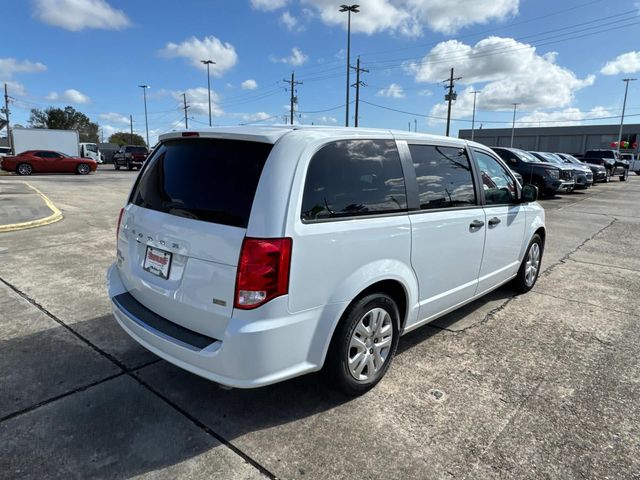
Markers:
263,271
118,226
190,134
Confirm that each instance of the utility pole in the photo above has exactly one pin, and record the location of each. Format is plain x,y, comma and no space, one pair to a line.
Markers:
358,84
6,113
292,87
415,125
186,120
208,63
513,125
624,107
146,120
450,97
131,123
349,9
473,119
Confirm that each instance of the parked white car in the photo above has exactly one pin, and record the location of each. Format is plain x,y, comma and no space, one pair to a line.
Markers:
251,255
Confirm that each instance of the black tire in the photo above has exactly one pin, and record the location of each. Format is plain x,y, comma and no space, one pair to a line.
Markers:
24,169
607,177
83,169
336,368
129,166
522,284
637,172
116,166
625,175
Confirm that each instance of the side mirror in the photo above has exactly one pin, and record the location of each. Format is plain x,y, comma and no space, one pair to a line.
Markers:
529,193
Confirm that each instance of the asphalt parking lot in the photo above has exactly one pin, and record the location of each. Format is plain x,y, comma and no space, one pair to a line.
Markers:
544,385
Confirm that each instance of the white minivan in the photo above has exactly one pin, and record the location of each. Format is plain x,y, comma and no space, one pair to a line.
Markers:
250,255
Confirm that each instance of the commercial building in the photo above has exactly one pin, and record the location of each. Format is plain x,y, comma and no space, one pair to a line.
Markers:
575,140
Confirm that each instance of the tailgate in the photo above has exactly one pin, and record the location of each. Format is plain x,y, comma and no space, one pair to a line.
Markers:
198,293
183,228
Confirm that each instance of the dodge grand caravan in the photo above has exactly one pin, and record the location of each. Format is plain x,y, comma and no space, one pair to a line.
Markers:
250,255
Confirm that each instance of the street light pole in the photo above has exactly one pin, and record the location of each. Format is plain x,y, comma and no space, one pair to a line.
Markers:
207,63
513,125
146,120
473,119
624,107
348,9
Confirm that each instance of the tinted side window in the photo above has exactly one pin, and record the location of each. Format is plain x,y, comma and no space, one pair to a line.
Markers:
204,179
444,176
499,187
354,177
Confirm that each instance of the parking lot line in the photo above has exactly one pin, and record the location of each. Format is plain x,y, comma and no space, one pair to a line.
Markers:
56,215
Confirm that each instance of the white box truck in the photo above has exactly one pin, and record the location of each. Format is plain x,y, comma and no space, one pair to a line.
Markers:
65,141
90,150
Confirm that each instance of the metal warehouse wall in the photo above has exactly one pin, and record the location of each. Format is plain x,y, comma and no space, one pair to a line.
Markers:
575,140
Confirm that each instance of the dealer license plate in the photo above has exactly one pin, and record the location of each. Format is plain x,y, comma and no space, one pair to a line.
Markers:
157,261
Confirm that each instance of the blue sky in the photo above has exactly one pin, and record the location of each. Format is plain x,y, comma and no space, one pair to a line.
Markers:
561,61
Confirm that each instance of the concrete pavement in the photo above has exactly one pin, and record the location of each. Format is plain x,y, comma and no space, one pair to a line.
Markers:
24,206
543,385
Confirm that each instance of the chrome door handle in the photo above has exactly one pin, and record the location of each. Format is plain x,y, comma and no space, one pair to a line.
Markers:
494,221
476,224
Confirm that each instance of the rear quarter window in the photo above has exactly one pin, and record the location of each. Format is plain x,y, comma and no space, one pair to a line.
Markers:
354,177
211,180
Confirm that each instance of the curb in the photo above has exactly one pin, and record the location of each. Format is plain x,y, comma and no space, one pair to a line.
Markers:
55,216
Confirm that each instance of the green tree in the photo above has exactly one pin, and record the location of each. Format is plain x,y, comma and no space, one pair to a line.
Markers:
65,119
124,138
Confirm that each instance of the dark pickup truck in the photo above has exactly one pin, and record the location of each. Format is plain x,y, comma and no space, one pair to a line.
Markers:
611,160
130,156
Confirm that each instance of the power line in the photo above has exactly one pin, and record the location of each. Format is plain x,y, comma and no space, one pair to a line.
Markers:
433,117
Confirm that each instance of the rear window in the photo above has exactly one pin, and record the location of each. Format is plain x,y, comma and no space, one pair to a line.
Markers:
204,179
136,149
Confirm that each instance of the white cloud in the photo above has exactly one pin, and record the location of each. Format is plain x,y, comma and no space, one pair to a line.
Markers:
76,15
291,22
249,84
425,93
114,118
209,48
568,116
296,58
268,5
392,91
256,117
198,101
626,63
71,96
409,17
511,71
449,16
10,66
15,88
325,120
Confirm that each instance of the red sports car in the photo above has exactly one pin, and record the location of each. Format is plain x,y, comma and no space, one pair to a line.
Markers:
47,161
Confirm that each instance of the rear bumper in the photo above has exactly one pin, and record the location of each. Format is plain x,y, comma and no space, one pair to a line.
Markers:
251,353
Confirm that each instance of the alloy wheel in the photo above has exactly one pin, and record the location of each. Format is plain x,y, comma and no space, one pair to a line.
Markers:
370,344
532,265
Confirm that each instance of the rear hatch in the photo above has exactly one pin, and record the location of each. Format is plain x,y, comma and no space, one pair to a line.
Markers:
183,228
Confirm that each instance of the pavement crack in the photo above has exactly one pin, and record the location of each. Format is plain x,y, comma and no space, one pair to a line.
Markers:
130,372
567,255
580,302
59,397
606,266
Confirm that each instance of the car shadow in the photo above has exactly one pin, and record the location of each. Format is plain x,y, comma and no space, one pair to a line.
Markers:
160,406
